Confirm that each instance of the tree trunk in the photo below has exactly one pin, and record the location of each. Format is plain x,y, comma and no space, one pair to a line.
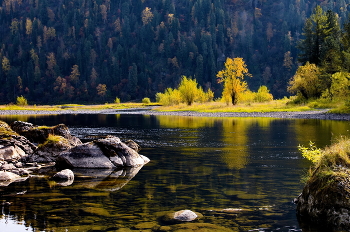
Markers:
234,99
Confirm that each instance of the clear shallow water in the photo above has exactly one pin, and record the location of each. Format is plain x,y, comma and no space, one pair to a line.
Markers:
197,163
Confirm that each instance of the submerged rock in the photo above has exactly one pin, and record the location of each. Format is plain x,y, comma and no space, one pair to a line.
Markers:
181,216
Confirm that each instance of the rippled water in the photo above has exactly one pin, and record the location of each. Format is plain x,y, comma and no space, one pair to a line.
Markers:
208,165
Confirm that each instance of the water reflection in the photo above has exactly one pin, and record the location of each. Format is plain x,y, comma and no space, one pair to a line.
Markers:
203,164
106,180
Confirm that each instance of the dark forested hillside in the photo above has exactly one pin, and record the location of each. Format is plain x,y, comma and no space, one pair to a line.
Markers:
55,51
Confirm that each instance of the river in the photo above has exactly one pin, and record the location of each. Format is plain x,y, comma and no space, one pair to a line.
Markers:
211,165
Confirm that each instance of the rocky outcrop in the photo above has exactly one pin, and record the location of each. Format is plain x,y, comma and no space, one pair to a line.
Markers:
107,152
325,201
57,145
39,134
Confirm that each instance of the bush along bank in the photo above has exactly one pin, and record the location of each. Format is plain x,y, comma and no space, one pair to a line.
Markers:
324,200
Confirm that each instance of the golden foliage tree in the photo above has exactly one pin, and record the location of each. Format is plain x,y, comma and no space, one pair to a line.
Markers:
29,26
189,90
147,15
74,75
101,90
233,78
5,64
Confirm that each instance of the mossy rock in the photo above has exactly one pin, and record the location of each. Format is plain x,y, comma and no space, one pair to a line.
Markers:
6,131
325,197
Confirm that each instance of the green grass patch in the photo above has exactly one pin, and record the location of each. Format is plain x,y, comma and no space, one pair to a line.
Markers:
219,107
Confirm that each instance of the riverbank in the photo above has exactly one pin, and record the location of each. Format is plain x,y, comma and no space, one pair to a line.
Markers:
314,114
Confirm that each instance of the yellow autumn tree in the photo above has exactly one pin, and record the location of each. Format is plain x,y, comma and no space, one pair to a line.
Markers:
189,90
233,78
147,16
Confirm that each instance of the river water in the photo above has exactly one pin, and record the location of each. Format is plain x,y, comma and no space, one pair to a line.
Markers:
213,166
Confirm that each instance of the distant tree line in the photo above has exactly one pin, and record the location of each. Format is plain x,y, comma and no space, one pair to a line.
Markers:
100,50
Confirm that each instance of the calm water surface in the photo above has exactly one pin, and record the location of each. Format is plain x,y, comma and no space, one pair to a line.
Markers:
203,164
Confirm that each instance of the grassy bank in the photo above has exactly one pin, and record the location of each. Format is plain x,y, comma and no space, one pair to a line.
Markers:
281,105
74,107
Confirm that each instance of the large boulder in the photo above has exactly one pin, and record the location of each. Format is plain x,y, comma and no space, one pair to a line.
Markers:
87,155
119,153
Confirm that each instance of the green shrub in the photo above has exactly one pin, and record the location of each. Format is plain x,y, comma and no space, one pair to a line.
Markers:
169,97
21,101
311,153
117,100
263,95
146,100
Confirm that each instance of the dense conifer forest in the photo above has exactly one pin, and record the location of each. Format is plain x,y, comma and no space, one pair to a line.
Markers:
60,51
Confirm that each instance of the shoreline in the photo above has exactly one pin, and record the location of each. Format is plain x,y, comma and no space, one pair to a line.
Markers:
319,114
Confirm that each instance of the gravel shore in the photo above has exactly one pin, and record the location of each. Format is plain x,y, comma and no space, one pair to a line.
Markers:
319,114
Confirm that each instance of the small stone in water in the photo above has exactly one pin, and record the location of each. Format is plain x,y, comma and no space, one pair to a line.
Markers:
185,215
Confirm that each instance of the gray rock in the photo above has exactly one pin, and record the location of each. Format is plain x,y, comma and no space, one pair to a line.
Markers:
65,174
87,155
20,142
11,153
8,166
181,216
133,145
185,215
112,147
64,177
